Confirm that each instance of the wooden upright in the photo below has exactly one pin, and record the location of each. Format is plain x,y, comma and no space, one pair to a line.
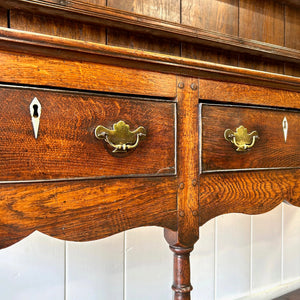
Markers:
198,105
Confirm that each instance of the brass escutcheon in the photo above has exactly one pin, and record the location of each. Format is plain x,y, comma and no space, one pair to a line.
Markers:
121,139
241,139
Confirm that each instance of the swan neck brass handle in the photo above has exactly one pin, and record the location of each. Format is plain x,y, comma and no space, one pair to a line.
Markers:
241,138
120,138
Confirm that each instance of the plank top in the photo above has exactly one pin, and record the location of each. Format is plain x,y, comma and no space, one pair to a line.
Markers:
43,45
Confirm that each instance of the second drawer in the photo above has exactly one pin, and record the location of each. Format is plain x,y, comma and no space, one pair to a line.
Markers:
277,145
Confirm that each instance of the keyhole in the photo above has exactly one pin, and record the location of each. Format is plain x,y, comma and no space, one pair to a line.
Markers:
35,111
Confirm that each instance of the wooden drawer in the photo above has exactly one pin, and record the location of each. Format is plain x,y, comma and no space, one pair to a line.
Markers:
270,150
66,146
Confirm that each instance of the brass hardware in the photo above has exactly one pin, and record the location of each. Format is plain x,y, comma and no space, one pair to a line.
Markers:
241,139
120,138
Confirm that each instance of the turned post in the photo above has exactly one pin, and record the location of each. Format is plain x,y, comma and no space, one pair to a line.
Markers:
181,270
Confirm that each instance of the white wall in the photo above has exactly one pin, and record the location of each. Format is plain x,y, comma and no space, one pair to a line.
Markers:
237,256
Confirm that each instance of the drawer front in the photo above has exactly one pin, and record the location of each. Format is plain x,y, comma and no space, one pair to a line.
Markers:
66,146
269,150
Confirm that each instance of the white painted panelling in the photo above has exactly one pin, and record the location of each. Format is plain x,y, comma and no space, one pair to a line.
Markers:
233,256
266,259
94,270
202,263
149,265
33,269
291,242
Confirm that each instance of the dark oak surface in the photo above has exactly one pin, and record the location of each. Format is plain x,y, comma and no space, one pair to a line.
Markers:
46,71
3,17
122,38
210,54
93,76
292,27
71,46
187,147
295,3
262,21
85,210
264,64
168,10
223,15
252,192
58,27
166,22
247,94
181,241
66,146
181,273
269,151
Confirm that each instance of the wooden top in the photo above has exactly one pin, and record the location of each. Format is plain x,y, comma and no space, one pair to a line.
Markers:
39,44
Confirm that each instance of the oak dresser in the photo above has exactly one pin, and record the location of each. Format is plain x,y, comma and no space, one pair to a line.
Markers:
98,139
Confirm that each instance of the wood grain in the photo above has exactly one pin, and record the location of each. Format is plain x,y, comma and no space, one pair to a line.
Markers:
187,164
261,64
116,37
85,210
57,26
96,2
45,71
106,16
66,146
292,69
294,3
247,192
247,94
81,77
182,283
182,240
3,17
161,9
209,54
292,27
187,160
269,151
72,3
262,21
214,15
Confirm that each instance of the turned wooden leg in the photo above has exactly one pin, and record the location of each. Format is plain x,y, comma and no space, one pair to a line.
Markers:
181,285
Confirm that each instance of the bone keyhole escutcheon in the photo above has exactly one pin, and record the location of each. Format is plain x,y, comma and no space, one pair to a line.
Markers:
35,113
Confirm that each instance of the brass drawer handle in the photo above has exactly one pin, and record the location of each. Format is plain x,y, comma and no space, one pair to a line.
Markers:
241,139
120,138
